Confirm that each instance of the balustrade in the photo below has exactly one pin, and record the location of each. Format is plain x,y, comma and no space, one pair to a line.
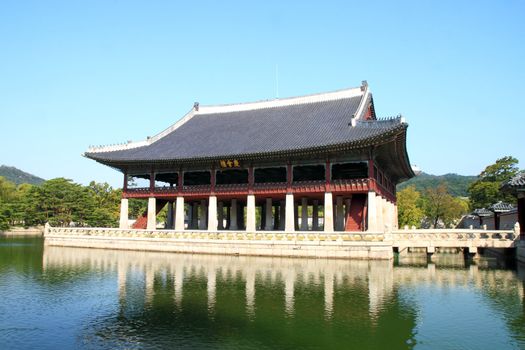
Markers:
349,185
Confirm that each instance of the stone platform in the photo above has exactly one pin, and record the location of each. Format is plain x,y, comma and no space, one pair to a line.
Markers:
339,246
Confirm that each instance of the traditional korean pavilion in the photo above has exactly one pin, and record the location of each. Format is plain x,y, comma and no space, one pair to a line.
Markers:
320,162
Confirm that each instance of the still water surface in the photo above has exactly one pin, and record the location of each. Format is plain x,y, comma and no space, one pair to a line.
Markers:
74,298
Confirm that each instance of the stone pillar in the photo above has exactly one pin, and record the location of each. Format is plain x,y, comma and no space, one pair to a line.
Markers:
240,217
203,216
396,218
263,216
250,214
220,212
387,213
228,217
282,214
379,213
233,215
328,212
276,217
289,224
268,225
372,212
179,214
304,214
152,213
169,216
315,215
296,216
194,215
123,223
339,214
212,214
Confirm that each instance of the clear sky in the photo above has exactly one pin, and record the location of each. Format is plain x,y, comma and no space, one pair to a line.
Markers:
80,73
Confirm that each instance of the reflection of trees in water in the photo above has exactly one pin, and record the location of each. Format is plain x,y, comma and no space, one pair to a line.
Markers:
22,254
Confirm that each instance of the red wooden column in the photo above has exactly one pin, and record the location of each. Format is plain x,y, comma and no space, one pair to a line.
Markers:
180,181
212,179
327,175
125,184
289,177
251,179
152,182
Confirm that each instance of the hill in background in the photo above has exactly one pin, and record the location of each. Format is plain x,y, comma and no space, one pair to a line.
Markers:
457,184
18,176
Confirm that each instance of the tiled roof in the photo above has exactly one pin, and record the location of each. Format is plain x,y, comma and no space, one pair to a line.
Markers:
282,126
517,181
259,128
501,207
482,212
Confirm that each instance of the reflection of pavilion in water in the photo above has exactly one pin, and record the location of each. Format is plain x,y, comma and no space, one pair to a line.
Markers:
380,278
376,275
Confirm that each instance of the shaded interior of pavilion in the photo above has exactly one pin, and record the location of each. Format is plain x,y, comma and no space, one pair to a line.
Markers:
348,210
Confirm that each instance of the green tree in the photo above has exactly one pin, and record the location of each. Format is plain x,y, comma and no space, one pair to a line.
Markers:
408,207
106,202
441,207
485,191
60,202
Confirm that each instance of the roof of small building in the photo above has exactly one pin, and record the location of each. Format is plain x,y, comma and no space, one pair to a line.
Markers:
265,128
482,212
501,207
517,182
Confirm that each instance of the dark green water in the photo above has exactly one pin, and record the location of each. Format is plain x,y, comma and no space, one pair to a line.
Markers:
71,298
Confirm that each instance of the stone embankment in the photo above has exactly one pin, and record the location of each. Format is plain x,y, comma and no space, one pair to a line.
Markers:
20,231
342,245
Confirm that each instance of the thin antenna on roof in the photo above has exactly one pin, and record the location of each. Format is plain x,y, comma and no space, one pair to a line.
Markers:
277,81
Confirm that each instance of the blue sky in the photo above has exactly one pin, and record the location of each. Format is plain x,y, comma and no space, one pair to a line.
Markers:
80,73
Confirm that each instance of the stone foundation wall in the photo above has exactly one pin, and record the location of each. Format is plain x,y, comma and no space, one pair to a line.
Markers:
337,250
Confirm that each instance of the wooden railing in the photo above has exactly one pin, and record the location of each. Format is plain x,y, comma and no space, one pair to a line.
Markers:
336,186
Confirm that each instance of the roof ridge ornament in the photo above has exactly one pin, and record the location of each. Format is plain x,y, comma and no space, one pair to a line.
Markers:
364,85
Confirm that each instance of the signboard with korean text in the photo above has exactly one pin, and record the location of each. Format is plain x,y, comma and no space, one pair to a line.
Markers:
229,163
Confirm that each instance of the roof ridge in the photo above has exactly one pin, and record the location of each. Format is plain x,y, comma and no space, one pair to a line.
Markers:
281,102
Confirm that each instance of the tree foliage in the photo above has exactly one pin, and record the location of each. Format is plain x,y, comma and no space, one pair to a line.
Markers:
441,208
435,207
60,202
486,190
409,210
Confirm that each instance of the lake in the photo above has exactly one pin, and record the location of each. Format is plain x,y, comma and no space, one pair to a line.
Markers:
65,298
